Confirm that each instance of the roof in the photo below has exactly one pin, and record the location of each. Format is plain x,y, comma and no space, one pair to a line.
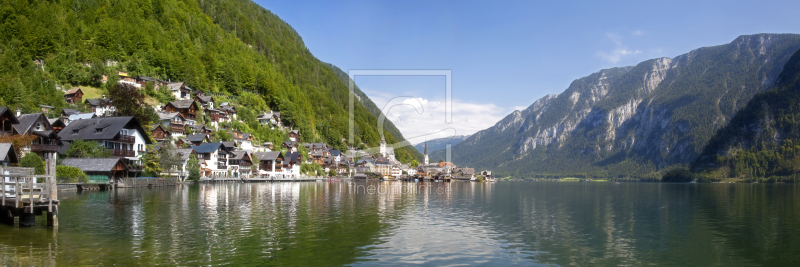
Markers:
7,153
196,137
70,111
26,121
81,116
289,143
239,155
229,145
92,164
292,157
98,101
208,147
169,116
295,132
145,78
111,126
469,171
206,99
175,86
73,91
335,152
272,155
182,103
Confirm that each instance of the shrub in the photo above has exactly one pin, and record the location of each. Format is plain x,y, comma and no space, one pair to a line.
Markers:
31,160
70,174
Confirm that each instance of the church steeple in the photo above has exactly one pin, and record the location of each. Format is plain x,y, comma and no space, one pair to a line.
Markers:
426,153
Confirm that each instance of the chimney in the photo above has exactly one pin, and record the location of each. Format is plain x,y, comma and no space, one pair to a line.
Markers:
19,112
104,96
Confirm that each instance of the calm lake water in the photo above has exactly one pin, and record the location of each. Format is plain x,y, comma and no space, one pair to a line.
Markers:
341,223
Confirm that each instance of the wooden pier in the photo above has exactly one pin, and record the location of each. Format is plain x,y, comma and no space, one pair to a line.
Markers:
25,195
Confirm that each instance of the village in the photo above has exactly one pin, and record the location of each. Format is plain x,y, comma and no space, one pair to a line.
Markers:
189,126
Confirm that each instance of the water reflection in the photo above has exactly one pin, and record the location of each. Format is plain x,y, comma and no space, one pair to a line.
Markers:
346,223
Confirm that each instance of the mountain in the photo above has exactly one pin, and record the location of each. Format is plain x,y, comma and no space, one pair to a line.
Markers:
763,139
223,47
631,121
441,143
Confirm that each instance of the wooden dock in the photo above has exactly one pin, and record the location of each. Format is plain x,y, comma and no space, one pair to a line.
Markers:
25,195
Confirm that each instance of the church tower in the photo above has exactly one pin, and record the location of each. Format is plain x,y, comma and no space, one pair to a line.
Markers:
426,161
383,147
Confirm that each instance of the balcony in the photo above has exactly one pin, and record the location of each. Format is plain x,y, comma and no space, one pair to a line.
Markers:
44,148
122,153
175,127
125,139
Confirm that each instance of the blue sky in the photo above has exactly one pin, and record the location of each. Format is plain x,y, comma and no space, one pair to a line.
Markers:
504,55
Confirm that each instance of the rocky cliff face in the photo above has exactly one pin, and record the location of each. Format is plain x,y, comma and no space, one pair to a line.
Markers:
645,117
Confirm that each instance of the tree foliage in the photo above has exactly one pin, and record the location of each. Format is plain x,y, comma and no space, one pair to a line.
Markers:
31,160
193,165
86,149
69,174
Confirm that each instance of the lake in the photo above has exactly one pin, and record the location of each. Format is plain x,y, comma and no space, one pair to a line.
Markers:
398,223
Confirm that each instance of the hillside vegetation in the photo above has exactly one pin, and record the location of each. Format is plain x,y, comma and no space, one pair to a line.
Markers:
762,142
229,47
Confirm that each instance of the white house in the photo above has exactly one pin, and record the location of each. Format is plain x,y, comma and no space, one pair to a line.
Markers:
213,159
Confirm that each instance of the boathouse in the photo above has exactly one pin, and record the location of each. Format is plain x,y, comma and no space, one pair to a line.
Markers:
99,170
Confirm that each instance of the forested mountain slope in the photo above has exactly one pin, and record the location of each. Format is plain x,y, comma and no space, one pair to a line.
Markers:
631,121
213,45
763,139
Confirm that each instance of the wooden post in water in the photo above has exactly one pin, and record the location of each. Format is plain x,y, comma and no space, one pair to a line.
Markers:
52,211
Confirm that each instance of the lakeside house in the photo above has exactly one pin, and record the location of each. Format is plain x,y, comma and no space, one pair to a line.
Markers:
99,170
213,159
123,136
240,164
270,163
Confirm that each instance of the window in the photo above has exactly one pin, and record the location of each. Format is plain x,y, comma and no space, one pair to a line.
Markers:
97,130
75,131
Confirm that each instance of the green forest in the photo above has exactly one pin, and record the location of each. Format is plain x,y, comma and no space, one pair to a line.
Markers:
762,142
229,48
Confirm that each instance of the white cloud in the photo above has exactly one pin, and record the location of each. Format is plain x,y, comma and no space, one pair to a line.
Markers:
468,118
621,50
520,108
616,55
637,33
